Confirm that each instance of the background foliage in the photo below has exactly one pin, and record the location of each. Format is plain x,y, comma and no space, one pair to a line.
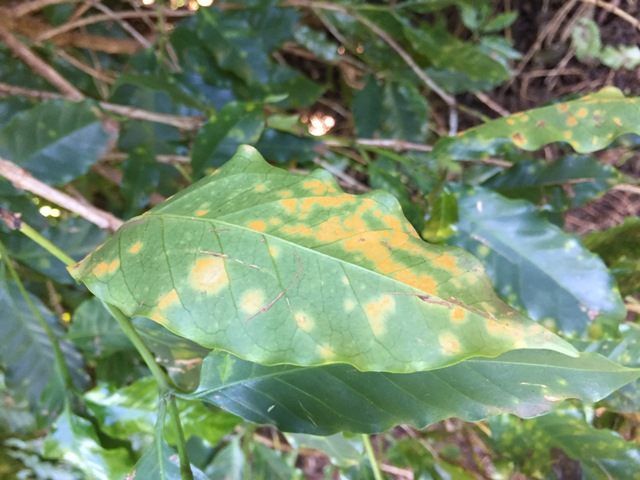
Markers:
111,107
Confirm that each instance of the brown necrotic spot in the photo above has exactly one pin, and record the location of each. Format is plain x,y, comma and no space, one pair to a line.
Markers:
209,275
518,139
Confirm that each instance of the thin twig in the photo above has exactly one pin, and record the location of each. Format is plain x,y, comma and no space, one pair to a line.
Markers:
40,66
34,5
616,11
83,22
23,180
184,123
124,24
628,188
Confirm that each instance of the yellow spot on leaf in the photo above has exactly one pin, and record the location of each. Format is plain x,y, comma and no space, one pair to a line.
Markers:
289,204
102,268
378,311
274,251
285,193
317,187
258,225
304,321
252,300
169,299
572,121
209,275
563,107
510,121
349,305
617,121
447,262
518,139
449,343
568,135
458,314
581,113
260,188
136,247
201,213
326,352
524,118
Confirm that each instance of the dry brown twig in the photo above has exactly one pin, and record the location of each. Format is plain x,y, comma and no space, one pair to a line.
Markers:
634,22
23,180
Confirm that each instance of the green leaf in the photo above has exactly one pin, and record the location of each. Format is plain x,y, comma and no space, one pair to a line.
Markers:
333,398
537,266
75,440
230,463
618,247
56,141
93,330
587,124
27,354
441,218
585,38
601,453
281,268
131,412
541,182
625,351
161,462
343,452
218,139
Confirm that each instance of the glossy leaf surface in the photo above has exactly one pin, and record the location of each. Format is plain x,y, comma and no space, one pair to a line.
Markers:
161,462
325,400
280,268
27,354
536,265
56,141
587,124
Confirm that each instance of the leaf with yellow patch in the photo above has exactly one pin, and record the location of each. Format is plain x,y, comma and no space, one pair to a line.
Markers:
587,124
280,268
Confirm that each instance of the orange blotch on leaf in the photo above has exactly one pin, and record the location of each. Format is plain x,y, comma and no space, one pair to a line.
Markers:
458,314
563,107
289,204
136,247
209,275
523,118
378,311
582,112
572,121
617,121
100,269
201,213
169,299
317,187
260,188
447,262
510,121
285,193
518,139
257,225
568,135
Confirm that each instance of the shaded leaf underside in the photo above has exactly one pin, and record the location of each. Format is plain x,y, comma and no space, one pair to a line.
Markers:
328,399
281,268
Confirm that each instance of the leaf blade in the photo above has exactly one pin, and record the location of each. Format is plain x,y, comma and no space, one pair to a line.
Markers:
279,268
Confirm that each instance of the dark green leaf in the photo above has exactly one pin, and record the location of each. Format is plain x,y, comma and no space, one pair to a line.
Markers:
600,453
618,247
27,354
569,182
281,268
537,266
56,141
325,400
218,139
